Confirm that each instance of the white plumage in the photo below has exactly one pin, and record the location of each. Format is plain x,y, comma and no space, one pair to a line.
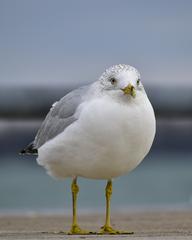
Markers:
111,131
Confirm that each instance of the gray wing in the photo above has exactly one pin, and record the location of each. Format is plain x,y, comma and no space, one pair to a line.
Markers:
60,116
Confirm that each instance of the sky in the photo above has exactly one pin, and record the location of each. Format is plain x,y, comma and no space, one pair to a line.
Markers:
61,43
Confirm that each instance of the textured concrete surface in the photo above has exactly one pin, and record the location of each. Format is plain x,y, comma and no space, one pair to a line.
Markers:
146,225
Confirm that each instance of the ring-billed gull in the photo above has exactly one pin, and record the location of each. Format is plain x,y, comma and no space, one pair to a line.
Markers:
99,131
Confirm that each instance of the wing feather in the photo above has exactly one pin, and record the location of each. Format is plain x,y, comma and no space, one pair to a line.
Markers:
60,116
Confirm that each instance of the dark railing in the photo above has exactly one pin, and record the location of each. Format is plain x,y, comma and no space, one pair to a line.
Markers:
22,111
36,102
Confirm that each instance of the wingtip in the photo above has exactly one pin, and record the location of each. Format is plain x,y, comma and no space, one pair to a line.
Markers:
22,152
29,150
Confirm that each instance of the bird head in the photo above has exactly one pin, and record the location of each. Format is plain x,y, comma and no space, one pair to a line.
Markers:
122,78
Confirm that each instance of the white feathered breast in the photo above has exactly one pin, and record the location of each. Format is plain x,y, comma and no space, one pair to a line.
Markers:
108,140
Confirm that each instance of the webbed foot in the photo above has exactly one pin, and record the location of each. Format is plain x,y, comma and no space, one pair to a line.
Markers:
109,230
76,230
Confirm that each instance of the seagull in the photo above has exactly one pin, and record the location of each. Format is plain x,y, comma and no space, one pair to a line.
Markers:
99,131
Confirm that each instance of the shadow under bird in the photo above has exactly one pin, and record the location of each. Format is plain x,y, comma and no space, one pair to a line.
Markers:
99,131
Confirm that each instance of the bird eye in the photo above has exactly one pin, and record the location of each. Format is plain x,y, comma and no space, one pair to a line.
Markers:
112,81
138,81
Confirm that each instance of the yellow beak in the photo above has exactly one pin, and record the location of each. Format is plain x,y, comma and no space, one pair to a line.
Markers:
129,90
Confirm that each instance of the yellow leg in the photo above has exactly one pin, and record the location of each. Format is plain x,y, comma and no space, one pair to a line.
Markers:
75,229
107,228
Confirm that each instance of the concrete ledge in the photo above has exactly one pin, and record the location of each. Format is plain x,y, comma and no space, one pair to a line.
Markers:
146,225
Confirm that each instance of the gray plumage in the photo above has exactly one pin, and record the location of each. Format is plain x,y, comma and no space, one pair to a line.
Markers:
60,116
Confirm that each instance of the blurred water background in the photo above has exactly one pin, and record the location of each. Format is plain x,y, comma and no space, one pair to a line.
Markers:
47,48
